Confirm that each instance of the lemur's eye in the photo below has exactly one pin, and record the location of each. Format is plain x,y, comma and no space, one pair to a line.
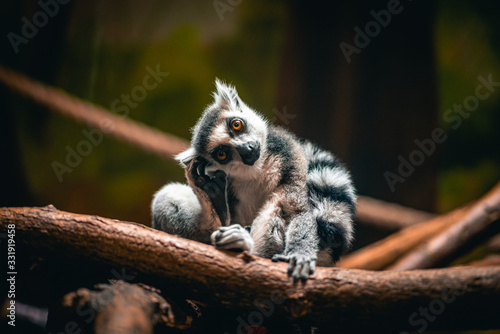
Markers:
221,155
237,124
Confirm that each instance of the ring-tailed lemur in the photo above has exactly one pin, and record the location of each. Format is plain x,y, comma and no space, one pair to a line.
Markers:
256,187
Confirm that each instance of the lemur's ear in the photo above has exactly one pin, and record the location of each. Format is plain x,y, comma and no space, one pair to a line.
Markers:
226,96
184,158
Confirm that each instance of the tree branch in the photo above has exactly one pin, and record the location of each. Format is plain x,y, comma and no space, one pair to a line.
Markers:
389,216
485,211
380,254
385,252
332,297
147,138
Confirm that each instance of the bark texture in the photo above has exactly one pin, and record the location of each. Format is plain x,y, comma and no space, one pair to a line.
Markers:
331,298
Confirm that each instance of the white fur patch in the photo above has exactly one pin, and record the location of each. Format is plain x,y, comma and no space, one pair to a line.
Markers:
185,157
225,96
332,177
219,136
179,194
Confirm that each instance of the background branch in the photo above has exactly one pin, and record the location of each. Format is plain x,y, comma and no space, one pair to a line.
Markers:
450,240
382,253
388,215
141,135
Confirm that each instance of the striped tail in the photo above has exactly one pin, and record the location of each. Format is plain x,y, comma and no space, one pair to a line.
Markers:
332,195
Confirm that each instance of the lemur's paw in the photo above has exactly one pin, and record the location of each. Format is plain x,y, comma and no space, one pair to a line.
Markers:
300,265
233,237
214,185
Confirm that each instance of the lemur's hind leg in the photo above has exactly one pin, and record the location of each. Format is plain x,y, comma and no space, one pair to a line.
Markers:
176,210
188,211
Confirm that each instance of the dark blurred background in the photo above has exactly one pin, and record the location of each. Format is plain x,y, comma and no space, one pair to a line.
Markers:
286,60
364,79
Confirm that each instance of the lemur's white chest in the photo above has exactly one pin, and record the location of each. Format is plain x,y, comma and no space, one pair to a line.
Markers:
250,197
252,189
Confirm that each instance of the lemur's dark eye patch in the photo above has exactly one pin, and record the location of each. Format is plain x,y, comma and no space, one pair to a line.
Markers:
221,154
237,125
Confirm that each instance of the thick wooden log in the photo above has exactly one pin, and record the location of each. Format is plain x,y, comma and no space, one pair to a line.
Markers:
332,297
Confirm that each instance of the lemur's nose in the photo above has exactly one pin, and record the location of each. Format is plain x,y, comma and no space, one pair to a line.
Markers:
249,152
253,145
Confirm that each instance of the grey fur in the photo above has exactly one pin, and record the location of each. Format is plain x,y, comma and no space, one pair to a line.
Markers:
297,200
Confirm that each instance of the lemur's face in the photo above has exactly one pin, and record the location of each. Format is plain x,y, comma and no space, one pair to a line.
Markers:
230,135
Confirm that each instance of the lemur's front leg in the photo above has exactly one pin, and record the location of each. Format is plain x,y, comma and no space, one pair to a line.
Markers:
295,242
301,246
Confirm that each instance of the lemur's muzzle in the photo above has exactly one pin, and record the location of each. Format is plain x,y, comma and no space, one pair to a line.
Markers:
249,152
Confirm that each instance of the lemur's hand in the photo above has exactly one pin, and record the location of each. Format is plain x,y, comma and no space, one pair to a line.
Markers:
233,237
212,186
301,265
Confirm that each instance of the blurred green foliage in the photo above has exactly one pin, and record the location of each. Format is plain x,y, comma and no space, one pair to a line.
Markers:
467,46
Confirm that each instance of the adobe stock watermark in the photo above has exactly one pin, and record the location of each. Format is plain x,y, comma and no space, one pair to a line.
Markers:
282,115
223,6
30,28
436,307
94,137
372,29
248,324
11,275
427,146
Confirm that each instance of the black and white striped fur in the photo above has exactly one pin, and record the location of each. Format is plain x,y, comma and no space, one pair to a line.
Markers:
273,195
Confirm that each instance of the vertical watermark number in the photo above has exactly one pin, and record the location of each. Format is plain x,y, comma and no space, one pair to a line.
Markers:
11,274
